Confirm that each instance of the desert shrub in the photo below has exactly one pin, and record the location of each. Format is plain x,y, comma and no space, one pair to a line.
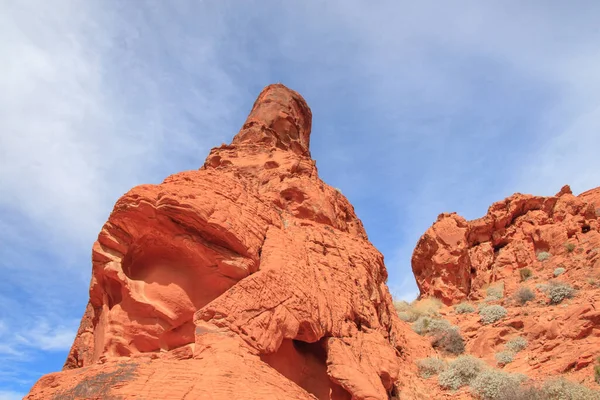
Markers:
461,372
516,344
505,357
570,247
521,392
492,384
495,292
524,294
428,306
543,255
562,389
431,366
411,312
491,314
464,308
559,271
450,341
407,316
558,291
401,305
421,325
597,373
525,273
430,326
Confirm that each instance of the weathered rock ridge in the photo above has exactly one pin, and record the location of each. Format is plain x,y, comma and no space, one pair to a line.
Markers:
456,259
248,278
524,242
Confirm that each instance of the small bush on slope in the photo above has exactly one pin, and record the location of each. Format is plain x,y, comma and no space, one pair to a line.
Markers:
450,341
491,314
570,247
430,326
516,344
543,255
558,291
461,372
464,308
495,292
505,357
411,312
491,384
431,366
562,389
559,271
523,295
525,273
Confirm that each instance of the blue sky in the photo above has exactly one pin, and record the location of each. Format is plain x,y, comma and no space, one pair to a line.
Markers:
418,108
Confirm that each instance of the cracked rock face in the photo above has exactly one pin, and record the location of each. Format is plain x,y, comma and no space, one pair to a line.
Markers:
457,259
250,276
523,244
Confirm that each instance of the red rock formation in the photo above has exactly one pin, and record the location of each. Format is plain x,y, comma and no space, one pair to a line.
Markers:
458,260
249,278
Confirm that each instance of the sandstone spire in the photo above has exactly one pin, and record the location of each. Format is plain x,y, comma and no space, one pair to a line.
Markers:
279,118
249,278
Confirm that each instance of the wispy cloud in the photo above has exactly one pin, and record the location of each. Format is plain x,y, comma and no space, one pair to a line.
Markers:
10,395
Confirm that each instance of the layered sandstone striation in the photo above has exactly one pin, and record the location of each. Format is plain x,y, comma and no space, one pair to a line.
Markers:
527,242
248,278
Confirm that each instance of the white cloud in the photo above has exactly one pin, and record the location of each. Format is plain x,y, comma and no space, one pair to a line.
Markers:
10,395
42,335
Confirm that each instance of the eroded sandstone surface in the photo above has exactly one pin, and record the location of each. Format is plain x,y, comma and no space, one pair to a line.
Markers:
523,242
249,278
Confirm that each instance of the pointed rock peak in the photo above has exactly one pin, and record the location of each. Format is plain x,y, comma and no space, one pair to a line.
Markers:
279,118
564,190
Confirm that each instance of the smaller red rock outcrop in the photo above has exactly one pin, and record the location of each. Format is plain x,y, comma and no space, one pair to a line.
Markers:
457,259
524,242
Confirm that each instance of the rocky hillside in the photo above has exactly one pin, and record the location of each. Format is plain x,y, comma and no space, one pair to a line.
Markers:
520,289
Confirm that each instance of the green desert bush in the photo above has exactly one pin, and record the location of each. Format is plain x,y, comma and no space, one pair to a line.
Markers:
411,312
492,384
543,255
461,372
516,344
464,308
523,295
404,311
430,326
558,291
554,389
570,247
525,391
597,374
431,366
495,292
407,316
525,273
491,314
559,271
505,357
562,389
450,341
